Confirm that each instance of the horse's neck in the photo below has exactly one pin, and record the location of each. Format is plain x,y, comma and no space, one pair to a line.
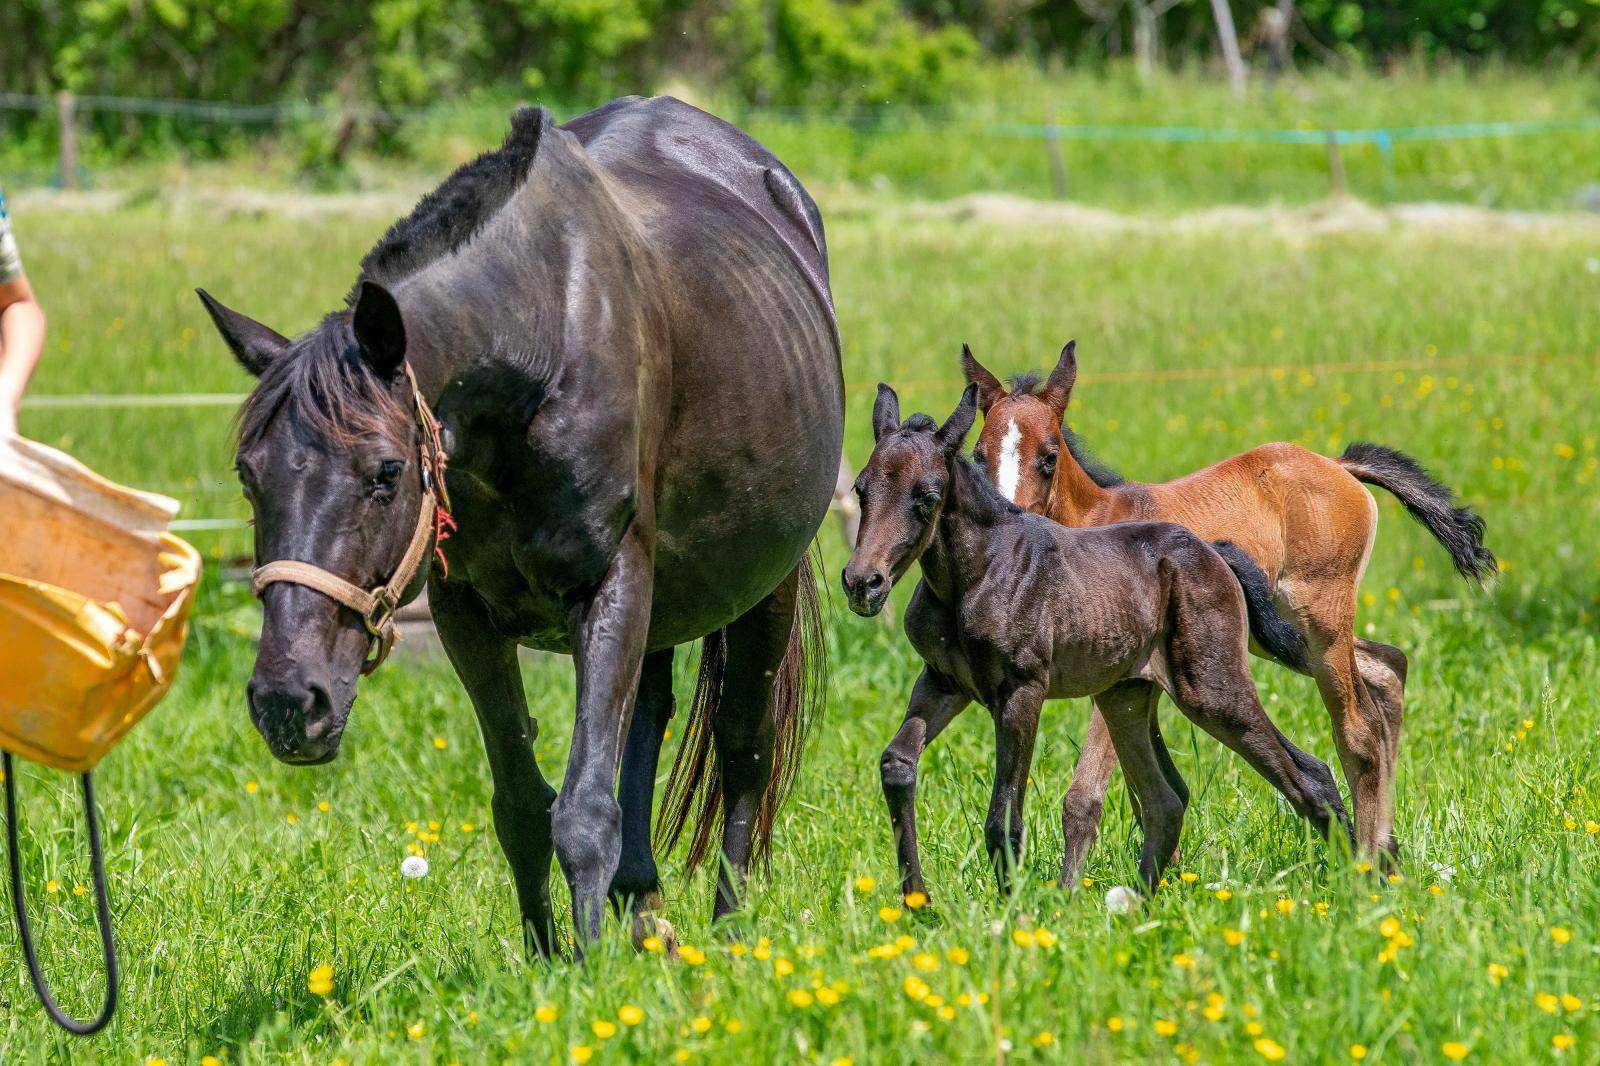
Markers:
1075,498
958,554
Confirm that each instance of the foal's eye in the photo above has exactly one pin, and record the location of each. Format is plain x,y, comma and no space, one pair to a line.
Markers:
383,481
1047,463
925,503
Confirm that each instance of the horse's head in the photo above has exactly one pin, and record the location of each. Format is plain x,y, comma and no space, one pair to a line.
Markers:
902,491
1021,438
329,459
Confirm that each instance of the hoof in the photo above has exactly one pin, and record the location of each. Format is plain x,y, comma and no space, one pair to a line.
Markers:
647,924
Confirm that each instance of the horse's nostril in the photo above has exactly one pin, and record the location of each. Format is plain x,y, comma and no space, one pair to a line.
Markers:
874,582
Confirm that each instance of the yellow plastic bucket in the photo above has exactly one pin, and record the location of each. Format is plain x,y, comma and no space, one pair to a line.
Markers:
95,597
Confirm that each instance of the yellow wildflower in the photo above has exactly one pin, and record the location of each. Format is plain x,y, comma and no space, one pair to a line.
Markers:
889,914
1044,1039
827,996
800,997
1023,938
1270,1050
1165,1026
654,945
958,956
1285,905
925,961
417,1028
545,1014
1358,1051
702,1024
1045,938
440,743
320,980
916,900
692,955
629,1014
251,787
1189,877
1570,1002
1224,895
782,967
1114,1023
1497,973
1454,1050
733,1025
1563,1041
866,884
1560,934
582,1053
1232,937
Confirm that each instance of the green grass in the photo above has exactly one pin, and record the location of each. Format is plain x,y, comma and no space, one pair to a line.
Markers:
940,152
1473,350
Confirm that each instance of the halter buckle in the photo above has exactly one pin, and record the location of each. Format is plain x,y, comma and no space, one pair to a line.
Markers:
380,620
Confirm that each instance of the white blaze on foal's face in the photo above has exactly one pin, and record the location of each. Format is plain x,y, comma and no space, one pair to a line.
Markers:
1009,475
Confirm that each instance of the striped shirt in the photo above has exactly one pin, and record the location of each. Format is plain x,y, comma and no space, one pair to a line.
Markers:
10,259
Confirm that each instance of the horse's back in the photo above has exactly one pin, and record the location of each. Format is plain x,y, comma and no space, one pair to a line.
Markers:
674,152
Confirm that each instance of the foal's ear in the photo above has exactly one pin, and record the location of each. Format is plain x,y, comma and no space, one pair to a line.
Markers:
885,412
990,391
254,345
380,331
956,427
1058,386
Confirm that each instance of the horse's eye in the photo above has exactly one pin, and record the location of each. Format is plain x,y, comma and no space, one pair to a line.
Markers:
1047,463
383,481
925,504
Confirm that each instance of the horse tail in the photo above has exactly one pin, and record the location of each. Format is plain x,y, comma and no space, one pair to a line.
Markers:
1274,632
1429,501
694,787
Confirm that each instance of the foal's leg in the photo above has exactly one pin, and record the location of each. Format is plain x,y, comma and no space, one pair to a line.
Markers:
935,702
487,666
1084,803
1160,795
1383,672
637,884
1366,743
744,732
1016,727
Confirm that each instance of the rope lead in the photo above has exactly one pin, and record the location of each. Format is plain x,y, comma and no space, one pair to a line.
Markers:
19,907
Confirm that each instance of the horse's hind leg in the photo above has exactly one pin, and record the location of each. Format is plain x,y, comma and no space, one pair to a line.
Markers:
1084,802
744,730
1159,795
637,884
487,666
1383,672
1210,681
1366,735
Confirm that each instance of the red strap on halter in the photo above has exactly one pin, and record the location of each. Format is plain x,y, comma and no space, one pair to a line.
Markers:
443,525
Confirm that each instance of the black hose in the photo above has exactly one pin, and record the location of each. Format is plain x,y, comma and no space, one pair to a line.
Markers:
19,907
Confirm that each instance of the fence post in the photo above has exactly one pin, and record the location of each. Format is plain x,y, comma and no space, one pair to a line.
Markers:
1336,165
1058,163
67,131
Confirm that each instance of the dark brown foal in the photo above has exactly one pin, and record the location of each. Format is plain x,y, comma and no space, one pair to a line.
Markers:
1014,609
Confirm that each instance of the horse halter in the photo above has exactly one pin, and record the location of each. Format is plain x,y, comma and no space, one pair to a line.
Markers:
377,606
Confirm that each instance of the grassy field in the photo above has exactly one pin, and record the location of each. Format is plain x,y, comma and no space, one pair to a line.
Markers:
1475,350
970,143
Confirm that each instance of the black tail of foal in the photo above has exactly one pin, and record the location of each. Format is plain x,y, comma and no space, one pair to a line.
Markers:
1272,630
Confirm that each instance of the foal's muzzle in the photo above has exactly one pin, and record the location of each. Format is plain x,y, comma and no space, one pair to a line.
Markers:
867,588
297,719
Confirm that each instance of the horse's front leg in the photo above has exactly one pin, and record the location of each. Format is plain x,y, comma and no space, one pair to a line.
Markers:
607,650
487,666
1016,727
935,702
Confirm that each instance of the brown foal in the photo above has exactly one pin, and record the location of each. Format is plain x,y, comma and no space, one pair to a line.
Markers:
1014,609
1305,520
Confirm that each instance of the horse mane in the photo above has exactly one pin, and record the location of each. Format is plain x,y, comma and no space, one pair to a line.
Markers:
323,379
1099,471
982,500
446,220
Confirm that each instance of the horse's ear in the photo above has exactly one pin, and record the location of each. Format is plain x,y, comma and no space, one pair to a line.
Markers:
885,412
990,391
1058,386
956,427
380,331
254,345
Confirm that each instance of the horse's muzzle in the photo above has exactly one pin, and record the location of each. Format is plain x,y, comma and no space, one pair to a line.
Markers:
297,720
866,588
